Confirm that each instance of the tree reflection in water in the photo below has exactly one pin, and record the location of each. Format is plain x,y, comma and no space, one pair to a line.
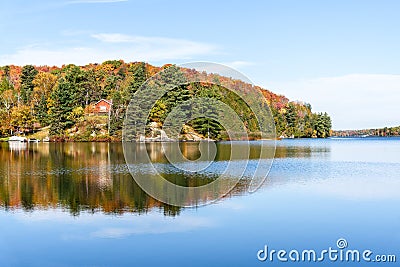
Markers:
93,177
77,177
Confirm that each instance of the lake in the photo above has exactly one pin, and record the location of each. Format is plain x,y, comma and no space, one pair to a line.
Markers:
76,204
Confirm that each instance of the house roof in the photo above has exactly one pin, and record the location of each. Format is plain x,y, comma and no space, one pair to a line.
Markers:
107,101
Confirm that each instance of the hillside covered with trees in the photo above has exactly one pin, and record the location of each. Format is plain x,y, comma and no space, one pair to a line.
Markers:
386,131
60,100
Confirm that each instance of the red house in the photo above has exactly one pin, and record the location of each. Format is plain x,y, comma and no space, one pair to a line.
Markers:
102,106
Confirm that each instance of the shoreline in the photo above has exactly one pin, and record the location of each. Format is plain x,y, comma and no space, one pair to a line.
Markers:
119,140
5,140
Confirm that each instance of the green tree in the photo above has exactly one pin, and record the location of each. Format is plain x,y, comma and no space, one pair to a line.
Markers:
178,94
27,76
63,101
291,115
41,111
174,82
120,99
207,125
292,120
75,79
91,88
322,125
139,74
115,63
327,124
5,85
6,70
159,112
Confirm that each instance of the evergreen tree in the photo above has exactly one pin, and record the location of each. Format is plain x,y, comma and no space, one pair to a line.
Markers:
139,74
63,102
27,76
75,79
6,72
291,115
327,124
207,125
125,87
41,110
91,87
173,80
322,124
112,83
308,128
120,98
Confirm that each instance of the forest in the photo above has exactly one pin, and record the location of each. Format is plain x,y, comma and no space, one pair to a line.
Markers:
378,132
58,102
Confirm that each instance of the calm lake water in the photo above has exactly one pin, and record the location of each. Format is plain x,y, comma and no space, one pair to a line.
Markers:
77,205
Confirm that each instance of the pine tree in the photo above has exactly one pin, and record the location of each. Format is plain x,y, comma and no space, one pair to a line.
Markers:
27,76
207,124
63,102
41,111
322,124
75,79
174,82
327,124
291,115
139,73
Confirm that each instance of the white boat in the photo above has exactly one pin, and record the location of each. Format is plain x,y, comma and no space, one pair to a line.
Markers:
46,139
18,146
33,140
17,139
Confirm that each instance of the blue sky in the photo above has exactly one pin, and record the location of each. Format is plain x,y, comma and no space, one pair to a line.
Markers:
341,56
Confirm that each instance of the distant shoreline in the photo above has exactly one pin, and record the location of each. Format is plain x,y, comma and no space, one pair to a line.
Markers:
377,132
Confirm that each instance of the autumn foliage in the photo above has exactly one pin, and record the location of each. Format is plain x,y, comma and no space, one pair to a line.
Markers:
32,97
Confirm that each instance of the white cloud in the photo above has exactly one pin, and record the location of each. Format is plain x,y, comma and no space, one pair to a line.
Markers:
111,46
98,225
355,101
151,225
238,64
